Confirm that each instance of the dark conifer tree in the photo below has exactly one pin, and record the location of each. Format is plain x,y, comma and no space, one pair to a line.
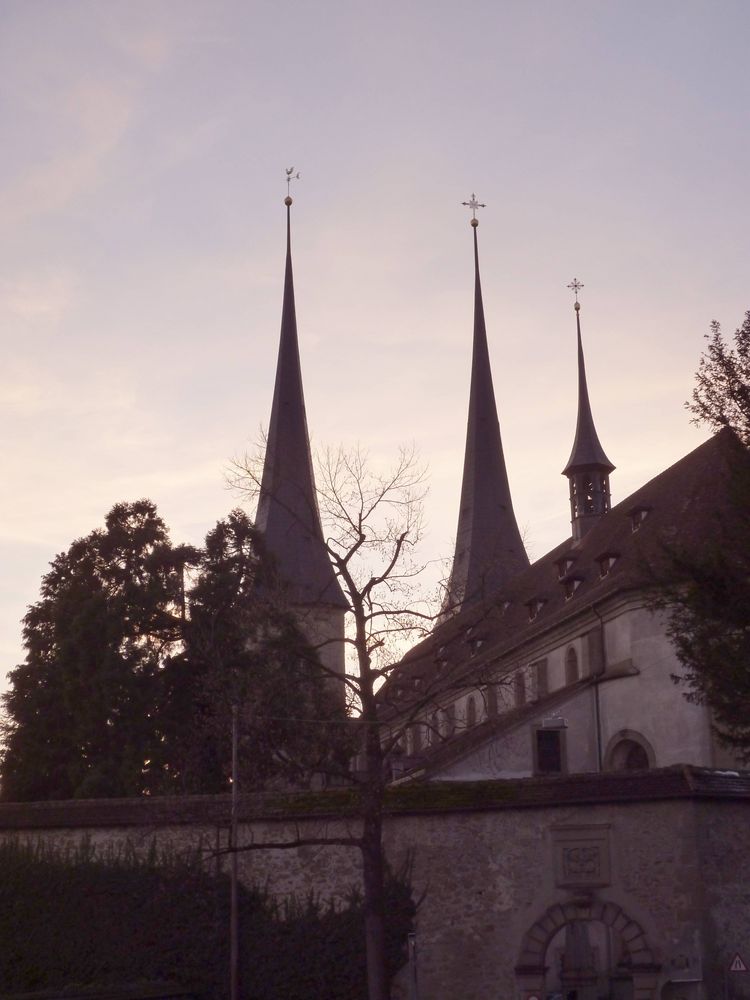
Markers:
242,648
136,654
81,708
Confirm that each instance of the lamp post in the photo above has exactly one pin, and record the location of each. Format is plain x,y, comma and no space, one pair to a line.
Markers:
234,942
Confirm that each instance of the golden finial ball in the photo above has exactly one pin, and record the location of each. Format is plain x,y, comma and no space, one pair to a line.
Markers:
287,201
577,306
475,223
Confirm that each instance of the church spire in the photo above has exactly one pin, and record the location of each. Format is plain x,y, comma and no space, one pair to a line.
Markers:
288,513
489,550
588,467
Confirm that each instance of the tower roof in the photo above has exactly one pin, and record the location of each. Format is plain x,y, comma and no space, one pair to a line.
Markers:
288,513
587,452
489,550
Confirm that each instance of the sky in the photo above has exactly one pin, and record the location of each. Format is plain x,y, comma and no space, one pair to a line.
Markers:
142,243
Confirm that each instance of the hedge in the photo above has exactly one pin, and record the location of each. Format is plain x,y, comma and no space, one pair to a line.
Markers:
78,918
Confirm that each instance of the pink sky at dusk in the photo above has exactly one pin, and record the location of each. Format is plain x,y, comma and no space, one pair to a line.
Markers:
141,190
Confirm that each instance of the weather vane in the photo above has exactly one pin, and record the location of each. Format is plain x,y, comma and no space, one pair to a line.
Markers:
575,286
473,204
290,176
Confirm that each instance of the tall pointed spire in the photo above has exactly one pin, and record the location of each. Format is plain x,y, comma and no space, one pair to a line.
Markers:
288,513
489,550
588,467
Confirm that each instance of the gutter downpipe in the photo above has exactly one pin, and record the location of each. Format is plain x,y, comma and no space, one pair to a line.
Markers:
597,675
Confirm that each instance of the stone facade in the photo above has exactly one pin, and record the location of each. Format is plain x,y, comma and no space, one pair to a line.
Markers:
655,868
571,647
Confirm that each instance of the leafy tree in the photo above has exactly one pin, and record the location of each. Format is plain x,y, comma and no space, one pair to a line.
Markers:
721,397
706,588
130,675
81,709
243,649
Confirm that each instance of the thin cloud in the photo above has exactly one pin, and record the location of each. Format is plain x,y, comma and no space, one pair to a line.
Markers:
38,297
97,115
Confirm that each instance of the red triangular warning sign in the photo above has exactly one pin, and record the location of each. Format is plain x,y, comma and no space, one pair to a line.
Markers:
737,965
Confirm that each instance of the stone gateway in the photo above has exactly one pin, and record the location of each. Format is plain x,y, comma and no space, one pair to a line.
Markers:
624,886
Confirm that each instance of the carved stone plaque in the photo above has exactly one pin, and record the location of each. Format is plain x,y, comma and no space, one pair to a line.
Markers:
581,856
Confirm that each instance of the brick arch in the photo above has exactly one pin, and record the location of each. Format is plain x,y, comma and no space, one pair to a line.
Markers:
530,971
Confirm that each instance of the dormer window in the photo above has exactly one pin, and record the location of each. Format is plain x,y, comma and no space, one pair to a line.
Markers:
564,566
535,606
638,515
572,583
606,561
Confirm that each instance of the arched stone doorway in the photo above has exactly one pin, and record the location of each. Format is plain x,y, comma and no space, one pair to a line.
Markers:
636,974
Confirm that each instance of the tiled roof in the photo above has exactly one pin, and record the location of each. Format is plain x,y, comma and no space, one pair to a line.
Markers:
682,505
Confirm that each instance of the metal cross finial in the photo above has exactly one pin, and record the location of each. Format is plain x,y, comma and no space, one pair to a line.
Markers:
290,176
575,286
473,204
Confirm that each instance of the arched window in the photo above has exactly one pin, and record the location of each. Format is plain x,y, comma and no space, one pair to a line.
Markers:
471,711
571,666
448,721
490,701
629,756
629,751
433,735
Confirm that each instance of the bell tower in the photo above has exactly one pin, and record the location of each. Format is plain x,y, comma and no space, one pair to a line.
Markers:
588,467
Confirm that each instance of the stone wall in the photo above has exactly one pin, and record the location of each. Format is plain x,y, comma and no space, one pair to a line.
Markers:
501,867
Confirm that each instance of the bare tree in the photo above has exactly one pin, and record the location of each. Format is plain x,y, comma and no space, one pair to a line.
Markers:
372,524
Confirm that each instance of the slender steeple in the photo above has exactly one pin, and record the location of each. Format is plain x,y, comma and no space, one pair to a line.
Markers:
288,513
489,550
588,467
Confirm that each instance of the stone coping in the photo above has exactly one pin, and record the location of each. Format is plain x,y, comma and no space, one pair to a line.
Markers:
411,798
137,991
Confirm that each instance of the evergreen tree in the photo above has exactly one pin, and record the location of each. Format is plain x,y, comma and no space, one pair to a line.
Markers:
243,650
131,677
81,708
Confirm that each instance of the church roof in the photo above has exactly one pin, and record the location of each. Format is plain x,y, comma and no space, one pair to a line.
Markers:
622,553
288,513
489,550
587,452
